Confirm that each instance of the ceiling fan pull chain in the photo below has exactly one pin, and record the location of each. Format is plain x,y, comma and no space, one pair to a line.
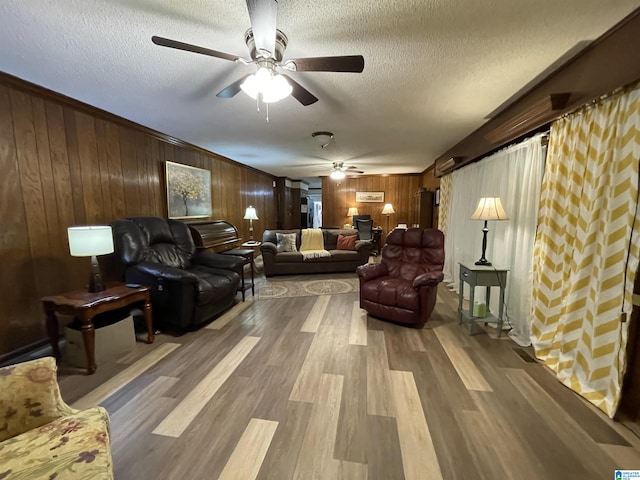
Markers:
267,107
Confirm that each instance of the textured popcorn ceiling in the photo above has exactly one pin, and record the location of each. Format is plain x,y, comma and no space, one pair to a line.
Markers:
434,69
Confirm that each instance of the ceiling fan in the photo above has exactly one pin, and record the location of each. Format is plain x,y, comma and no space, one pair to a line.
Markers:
266,48
340,170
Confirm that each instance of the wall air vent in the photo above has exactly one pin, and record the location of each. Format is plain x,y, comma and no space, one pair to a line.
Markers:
447,165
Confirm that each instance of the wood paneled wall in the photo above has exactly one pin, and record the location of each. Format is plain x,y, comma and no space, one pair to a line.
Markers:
398,191
63,163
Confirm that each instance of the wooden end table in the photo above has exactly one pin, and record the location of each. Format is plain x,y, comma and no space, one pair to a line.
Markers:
247,255
86,305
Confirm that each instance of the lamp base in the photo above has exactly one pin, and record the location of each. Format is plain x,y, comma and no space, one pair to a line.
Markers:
484,261
95,281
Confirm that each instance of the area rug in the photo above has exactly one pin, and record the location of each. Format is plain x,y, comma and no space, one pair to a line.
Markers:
283,289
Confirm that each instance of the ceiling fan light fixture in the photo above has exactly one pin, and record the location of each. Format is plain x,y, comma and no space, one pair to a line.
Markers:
270,87
277,89
337,174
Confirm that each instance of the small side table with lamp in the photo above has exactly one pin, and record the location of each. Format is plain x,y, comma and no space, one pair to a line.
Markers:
92,241
482,273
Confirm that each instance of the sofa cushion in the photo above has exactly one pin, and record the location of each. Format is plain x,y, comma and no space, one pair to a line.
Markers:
30,397
73,447
212,283
330,240
286,242
346,242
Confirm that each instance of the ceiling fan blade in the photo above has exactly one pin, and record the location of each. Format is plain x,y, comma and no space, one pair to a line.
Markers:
347,63
232,89
304,96
166,42
263,15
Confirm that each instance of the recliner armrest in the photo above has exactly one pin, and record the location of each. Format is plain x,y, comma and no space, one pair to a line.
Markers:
268,247
363,244
428,279
165,272
370,271
217,260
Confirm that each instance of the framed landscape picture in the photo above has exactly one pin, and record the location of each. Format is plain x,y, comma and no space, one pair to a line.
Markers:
370,197
188,191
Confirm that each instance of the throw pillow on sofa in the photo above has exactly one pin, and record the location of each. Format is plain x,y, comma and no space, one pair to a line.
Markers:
347,242
286,242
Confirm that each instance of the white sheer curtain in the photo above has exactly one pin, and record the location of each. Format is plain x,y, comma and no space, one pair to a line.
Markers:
515,175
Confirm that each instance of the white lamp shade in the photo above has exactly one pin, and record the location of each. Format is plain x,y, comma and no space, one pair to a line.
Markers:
89,241
352,211
489,208
250,213
388,209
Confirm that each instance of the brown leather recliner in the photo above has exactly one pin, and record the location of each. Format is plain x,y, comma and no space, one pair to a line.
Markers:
402,287
188,287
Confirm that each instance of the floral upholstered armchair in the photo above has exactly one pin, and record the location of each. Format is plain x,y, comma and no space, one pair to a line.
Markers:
41,436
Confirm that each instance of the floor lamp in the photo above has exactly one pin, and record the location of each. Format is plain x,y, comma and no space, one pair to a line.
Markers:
251,215
489,208
388,210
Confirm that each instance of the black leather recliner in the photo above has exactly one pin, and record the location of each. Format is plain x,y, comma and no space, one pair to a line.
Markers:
187,287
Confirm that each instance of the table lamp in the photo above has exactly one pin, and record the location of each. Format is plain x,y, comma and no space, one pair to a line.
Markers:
388,210
351,212
251,215
489,208
90,242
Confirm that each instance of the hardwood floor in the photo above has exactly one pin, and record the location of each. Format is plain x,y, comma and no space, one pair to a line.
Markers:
312,387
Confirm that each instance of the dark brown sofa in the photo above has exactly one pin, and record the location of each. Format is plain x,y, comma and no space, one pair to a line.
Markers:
292,263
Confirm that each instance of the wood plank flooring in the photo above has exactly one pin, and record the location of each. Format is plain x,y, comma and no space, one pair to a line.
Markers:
313,388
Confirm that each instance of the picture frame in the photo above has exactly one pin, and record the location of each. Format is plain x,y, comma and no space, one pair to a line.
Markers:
436,197
370,197
188,191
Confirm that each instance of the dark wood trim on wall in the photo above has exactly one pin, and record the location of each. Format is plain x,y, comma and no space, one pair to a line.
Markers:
96,112
608,63
64,163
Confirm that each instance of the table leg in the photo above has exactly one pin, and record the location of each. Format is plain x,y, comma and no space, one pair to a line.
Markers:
472,292
253,283
500,311
52,330
89,339
460,297
242,279
148,318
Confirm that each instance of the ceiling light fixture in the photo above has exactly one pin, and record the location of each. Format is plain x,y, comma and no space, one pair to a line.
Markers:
323,138
337,174
266,85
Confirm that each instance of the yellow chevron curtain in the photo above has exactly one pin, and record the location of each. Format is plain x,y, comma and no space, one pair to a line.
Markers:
586,250
445,201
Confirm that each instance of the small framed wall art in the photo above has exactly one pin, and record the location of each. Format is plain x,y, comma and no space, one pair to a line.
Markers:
188,191
377,197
